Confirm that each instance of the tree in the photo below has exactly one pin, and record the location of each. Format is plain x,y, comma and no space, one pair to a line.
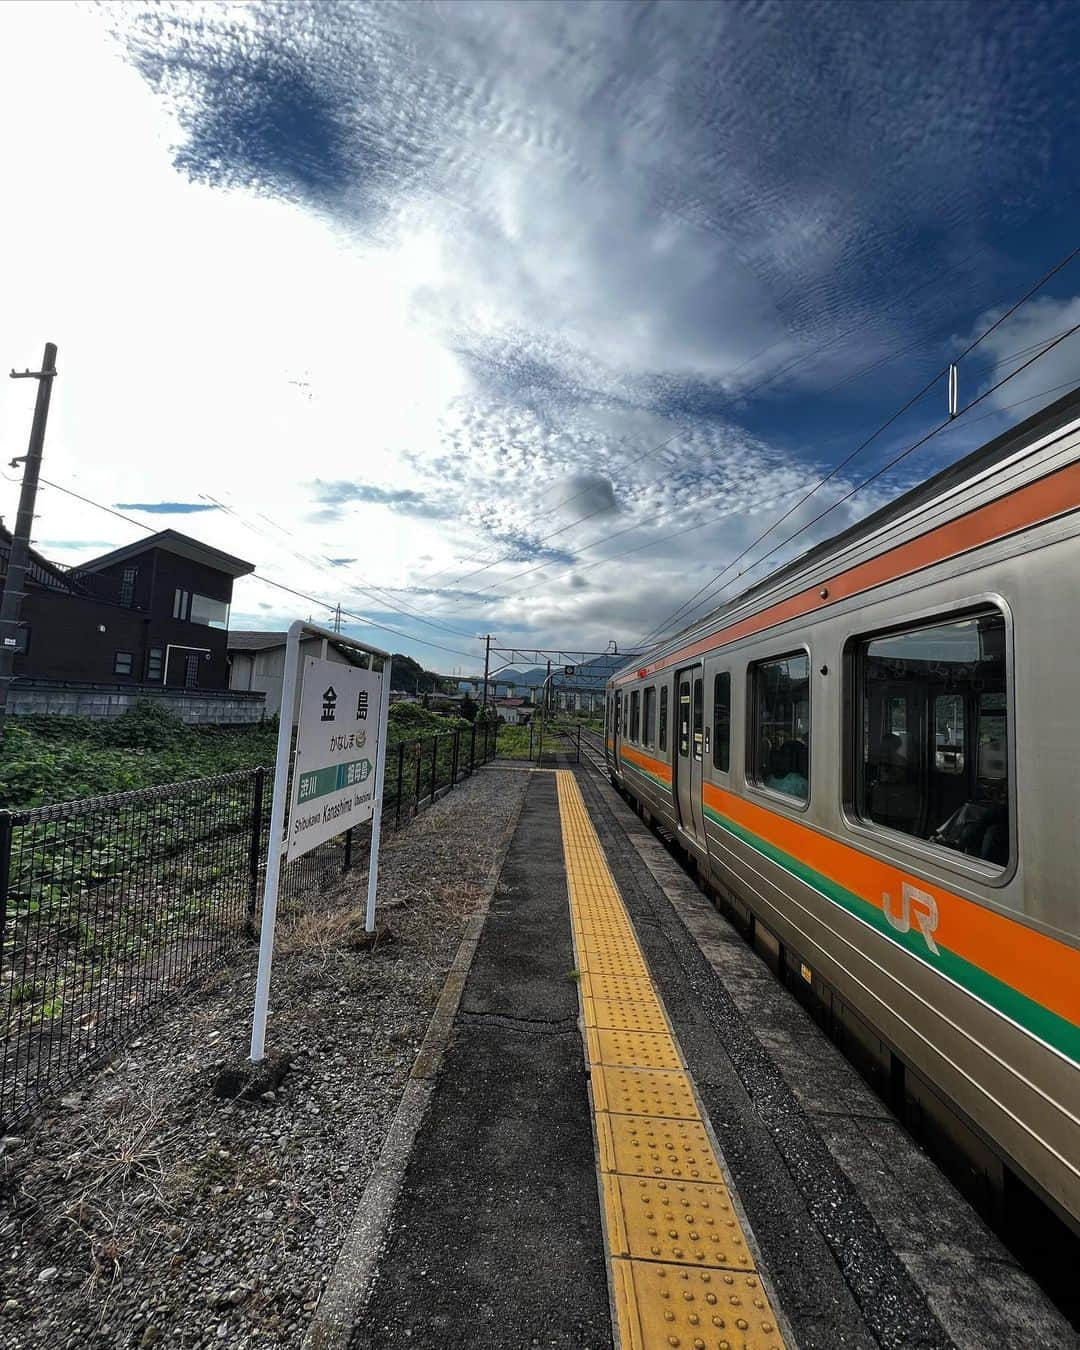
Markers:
469,708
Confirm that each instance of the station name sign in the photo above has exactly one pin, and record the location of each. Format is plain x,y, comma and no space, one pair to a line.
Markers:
337,741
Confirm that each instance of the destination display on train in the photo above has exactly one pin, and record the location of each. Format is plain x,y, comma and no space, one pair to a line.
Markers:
337,738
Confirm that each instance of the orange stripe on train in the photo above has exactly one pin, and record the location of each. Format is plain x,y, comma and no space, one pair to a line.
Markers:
1031,962
1055,495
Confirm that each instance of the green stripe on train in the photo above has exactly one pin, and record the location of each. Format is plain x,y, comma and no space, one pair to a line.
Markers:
1042,1022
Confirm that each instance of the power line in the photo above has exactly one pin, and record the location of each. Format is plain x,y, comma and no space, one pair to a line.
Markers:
738,397
268,581
688,606
380,596
878,473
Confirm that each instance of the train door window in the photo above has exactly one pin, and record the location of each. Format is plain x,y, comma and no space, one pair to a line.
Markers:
780,740
684,718
648,716
721,745
662,725
699,717
933,759
635,715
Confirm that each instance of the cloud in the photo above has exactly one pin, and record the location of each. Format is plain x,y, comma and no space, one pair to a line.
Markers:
337,495
166,508
522,284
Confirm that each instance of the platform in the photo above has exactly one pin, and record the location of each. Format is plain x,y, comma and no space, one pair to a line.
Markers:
637,1138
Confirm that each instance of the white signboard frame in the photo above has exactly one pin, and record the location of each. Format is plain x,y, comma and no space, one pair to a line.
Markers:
290,680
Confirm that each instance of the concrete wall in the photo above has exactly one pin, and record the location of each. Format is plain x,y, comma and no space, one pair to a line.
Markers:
30,698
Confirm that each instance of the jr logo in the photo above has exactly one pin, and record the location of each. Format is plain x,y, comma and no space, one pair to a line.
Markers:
915,905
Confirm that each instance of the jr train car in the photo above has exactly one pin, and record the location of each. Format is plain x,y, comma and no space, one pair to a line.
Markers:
873,758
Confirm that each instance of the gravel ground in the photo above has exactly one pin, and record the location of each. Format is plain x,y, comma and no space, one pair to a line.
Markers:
142,1211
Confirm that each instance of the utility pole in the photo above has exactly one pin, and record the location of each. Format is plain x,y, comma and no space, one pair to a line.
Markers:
547,689
15,580
487,663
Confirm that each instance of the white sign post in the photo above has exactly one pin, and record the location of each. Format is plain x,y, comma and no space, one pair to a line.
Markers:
337,779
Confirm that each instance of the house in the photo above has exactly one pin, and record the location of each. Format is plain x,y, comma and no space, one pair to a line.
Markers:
513,711
147,619
257,662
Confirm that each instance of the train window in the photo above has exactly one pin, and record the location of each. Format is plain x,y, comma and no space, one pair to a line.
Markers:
721,745
699,716
635,715
780,744
933,755
662,729
648,716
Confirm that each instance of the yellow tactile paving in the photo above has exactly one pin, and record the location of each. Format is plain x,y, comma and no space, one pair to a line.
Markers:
660,1306
606,1012
643,1092
682,1271
689,1223
632,1049
626,989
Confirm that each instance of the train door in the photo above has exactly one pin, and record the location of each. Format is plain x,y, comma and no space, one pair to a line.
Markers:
689,750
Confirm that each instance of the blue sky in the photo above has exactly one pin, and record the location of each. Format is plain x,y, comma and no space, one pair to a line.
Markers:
416,298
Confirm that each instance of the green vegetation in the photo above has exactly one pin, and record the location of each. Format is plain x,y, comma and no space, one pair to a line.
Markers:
59,759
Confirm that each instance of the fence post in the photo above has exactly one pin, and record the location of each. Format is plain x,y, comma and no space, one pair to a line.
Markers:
416,799
472,751
579,742
347,863
434,764
5,869
400,783
530,740
255,850
454,757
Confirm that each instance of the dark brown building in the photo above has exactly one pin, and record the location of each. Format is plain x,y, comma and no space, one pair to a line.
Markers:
153,613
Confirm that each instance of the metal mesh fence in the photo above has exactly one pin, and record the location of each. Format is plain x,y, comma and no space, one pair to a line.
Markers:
112,906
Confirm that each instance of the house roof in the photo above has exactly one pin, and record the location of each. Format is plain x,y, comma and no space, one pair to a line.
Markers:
260,640
172,541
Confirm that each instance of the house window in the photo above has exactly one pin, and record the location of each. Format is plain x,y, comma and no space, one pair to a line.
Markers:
781,725
213,613
721,745
648,725
123,663
181,604
154,661
662,735
127,586
635,715
932,754
191,670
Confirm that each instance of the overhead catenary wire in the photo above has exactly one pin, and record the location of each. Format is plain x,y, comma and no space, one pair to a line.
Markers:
878,473
692,604
740,396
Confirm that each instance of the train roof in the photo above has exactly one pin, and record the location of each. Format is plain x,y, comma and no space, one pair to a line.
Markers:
1042,423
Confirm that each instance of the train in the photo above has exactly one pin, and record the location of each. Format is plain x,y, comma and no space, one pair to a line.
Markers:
872,760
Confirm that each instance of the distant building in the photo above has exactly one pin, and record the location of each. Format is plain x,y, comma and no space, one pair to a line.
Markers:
257,662
514,711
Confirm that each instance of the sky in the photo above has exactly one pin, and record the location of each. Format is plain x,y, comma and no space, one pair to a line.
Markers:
520,318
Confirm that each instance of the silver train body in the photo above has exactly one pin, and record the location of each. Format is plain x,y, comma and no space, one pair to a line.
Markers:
873,757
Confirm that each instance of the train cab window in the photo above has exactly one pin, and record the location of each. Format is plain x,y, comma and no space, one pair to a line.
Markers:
648,715
932,759
780,741
721,745
635,715
662,725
